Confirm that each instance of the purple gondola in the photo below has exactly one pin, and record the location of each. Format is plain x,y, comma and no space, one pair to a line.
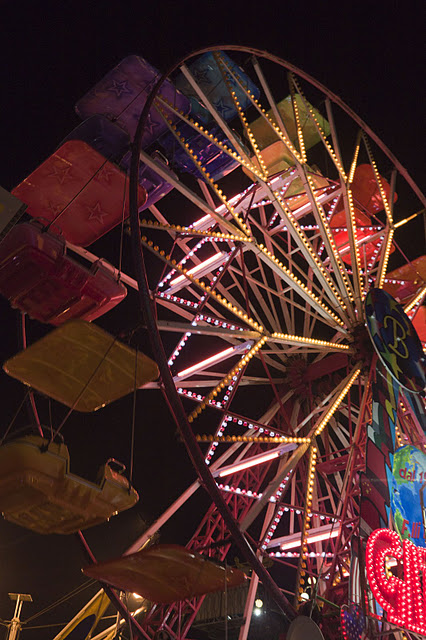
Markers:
121,95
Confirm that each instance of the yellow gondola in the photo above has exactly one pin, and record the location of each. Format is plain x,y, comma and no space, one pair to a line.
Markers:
166,573
38,492
82,366
266,136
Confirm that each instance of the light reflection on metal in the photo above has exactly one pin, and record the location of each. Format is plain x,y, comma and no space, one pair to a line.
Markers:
207,362
249,463
198,271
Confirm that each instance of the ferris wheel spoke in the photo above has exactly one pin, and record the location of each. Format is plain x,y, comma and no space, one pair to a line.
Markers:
384,257
338,267
253,304
279,128
319,129
254,286
242,363
353,464
303,291
188,233
286,469
188,193
302,242
333,131
302,148
279,295
282,307
219,120
195,126
306,249
416,300
341,391
176,305
388,205
208,330
269,306
354,247
318,345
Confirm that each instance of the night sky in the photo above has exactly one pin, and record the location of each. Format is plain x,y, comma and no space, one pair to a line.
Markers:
370,54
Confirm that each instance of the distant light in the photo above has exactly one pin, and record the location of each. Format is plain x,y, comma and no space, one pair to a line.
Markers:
257,611
304,596
137,596
258,603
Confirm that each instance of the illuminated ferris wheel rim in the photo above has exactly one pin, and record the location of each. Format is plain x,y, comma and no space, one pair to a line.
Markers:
320,421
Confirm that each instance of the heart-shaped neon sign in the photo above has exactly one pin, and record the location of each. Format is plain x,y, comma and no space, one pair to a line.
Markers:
401,598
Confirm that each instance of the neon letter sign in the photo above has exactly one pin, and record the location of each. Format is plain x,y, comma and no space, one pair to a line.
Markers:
401,598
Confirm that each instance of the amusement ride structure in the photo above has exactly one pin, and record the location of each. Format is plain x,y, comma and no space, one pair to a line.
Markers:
264,217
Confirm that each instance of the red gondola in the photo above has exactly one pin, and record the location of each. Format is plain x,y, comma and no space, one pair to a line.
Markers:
365,234
406,281
39,278
366,192
78,192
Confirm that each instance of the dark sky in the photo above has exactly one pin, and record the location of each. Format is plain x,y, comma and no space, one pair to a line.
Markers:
370,54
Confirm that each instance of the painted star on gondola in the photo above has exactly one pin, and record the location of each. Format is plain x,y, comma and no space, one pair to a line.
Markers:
119,87
55,207
202,75
61,172
105,176
151,127
96,214
225,110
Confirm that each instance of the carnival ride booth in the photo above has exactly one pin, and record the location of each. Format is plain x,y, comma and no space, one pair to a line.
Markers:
38,491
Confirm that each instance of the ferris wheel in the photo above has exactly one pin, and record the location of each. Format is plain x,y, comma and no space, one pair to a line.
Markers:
275,212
